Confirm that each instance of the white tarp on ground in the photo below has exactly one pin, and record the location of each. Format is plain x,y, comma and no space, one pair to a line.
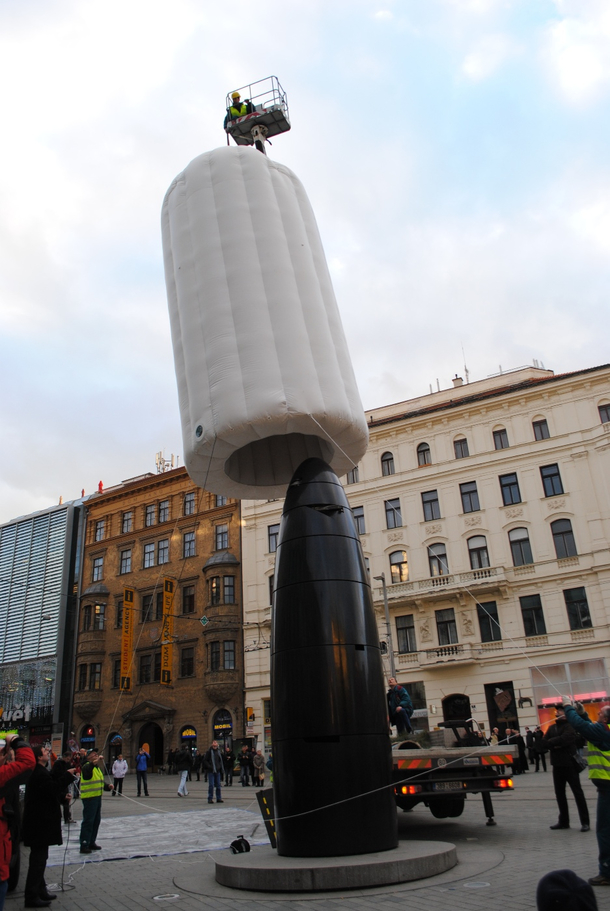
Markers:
156,834
264,374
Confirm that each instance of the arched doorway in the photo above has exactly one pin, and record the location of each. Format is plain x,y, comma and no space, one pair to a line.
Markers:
222,728
115,746
188,737
152,735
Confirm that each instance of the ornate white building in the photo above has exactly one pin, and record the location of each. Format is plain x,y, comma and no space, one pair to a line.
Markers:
485,510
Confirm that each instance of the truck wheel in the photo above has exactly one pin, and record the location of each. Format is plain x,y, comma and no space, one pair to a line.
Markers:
447,807
404,803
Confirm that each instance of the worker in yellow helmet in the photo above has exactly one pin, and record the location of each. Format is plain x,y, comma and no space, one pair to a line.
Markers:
237,109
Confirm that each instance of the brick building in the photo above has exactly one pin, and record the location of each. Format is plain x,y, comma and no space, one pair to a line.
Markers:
139,534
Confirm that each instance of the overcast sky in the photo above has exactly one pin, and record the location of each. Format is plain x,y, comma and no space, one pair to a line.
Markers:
455,153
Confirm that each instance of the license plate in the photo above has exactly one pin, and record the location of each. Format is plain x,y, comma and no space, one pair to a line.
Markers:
448,786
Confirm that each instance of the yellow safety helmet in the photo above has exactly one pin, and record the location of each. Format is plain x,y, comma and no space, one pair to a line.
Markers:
235,95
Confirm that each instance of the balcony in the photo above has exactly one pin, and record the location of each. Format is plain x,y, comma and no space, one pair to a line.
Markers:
87,703
462,653
477,579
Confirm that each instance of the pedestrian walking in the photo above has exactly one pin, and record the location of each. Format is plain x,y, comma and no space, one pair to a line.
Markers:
142,760
213,762
562,743
42,824
183,761
119,771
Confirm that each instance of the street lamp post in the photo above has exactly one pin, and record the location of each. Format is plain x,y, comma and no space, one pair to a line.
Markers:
386,611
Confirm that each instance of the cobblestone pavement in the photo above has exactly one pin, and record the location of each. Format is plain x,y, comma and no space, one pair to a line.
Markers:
497,863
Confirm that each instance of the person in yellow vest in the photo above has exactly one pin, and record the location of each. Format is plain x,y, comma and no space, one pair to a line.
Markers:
598,736
237,109
92,786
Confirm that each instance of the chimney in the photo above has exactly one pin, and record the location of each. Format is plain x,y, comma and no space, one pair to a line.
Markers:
457,381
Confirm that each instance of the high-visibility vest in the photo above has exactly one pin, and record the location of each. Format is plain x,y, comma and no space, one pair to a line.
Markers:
241,111
94,787
599,763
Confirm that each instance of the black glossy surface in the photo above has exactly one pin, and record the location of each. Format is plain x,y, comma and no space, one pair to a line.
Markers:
329,715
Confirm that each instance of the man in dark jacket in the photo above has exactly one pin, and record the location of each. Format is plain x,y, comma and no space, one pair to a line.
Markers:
212,761
539,748
60,767
42,824
598,736
228,760
562,743
400,707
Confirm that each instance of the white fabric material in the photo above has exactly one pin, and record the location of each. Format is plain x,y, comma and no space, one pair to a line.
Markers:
264,374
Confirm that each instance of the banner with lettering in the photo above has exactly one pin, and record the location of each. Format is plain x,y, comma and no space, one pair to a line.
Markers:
167,632
127,639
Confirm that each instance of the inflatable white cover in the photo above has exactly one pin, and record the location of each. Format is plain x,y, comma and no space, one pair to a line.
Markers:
264,375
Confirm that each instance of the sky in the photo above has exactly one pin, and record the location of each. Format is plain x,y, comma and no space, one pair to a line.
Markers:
455,153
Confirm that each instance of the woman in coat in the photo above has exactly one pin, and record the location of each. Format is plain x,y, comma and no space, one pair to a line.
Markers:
16,758
42,824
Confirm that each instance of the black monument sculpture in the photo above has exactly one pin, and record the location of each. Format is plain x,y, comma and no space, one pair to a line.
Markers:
329,724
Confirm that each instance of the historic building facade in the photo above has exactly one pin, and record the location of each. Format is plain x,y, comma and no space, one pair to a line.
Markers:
484,512
159,658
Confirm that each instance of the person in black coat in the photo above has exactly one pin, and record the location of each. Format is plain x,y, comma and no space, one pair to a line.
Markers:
562,741
42,824
228,759
59,770
539,748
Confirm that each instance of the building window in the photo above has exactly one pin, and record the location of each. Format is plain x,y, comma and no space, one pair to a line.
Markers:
477,551
541,430
188,544
358,512
405,633
220,500
159,610
228,589
445,626
222,537
189,504
150,515
470,497
82,676
271,583
95,676
520,547
229,655
164,511
187,662
119,614
273,534
399,568
460,447
145,669
98,614
86,617
437,558
125,566
500,439
509,485
147,606
432,509
163,551
100,527
489,625
533,618
214,656
149,555
98,569
353,476
424,456
156,667
188,599
577,607
551,480
116,673
393,516
604,413
563,539
127,522
387,464
215,590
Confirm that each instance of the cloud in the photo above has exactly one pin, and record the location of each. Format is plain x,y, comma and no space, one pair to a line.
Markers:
488,55
577,50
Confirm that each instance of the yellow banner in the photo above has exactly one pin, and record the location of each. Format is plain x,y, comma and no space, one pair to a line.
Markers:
167,632
127,639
